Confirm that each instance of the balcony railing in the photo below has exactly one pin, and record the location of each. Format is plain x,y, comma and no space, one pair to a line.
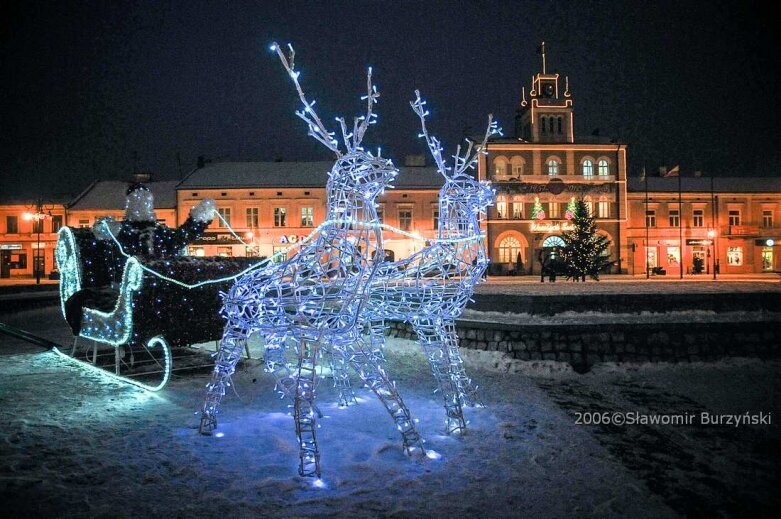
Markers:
548,178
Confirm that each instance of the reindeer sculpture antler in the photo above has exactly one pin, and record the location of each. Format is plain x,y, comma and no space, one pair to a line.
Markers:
317,129
462,163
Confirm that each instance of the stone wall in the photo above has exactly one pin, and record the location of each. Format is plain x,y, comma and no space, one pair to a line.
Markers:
583,345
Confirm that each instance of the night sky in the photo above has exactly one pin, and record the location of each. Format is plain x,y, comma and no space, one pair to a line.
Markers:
94,89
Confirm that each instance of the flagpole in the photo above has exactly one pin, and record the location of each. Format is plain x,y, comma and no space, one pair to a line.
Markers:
647,266
680,225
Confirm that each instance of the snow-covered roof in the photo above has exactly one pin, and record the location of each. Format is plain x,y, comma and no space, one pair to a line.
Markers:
110,194
703,184
292,174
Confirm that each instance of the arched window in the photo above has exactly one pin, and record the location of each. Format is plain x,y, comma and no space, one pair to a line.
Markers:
517,163
501,207
588,168
542,124
553,241
550,124
553,167
509,248
604,168
500,167
560,123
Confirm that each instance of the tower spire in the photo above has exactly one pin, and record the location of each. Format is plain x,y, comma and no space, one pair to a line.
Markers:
542,51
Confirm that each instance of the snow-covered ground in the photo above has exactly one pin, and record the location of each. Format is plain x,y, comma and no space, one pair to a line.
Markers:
530,285
571,317
74,443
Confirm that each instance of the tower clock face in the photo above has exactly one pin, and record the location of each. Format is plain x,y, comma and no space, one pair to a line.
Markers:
548,90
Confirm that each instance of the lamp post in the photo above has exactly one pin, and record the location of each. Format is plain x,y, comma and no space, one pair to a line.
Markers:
37,218
711,238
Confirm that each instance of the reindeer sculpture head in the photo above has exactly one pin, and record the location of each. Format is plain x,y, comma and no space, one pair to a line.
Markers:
463,198
357,170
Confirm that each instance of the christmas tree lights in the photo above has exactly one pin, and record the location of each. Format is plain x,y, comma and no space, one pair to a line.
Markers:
538,213
584,248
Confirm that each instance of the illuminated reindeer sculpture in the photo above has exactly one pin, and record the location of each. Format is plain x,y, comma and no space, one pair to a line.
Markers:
314,298
431,288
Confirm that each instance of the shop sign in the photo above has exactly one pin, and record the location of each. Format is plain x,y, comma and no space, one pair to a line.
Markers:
36,245
10,246
291,238
765,242
217,238
550,227
744,230
699,241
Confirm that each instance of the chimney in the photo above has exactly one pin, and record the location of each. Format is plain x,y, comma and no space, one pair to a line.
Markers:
415,161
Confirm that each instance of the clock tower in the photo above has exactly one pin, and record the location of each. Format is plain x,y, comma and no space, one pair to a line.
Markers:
546,116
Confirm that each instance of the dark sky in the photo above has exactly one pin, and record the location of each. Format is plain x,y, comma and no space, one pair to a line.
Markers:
87,86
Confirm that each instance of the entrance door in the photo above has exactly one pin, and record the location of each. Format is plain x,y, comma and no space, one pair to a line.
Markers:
39,262
767,258
5,260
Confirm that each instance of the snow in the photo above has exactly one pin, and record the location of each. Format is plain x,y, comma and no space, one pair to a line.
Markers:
683,316
77,444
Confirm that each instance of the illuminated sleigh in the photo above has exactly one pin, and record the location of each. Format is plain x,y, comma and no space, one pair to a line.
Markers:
135,314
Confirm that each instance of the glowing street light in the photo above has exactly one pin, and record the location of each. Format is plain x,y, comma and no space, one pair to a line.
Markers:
38,218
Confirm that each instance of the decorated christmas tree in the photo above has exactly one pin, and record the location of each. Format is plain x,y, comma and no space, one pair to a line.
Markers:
538,213
584,249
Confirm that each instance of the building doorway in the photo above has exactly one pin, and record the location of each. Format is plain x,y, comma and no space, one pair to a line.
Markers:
5,264
767,258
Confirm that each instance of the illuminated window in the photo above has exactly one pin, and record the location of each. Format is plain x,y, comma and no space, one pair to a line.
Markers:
603,210
650,257
517,208
698,218
500,167
517,166
590,207
252,217
280,217
604,169
501,208
225,252
308,217
12,224
84,223
650,218
436,218
767,218
673,256
554,241
588,168
279,254
225,214
554,210
553,167
405,219
674,217
509,248
735,256
734,217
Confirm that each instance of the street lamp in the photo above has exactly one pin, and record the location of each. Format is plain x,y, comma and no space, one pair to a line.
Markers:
711,237
37,218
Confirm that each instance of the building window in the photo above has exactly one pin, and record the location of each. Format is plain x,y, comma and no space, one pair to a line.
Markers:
650,257
501,209
225,252
553,167
38,226
603,210
588,168
735,256
517,166
12,224
279,254
83,223
500,167
767,218
650,218
308,217
767,258
56,222
604,168
436,218
698,218
509,248
550,124
675,217
381,214
405,219
280,217
542,125
252,217
224,219
734,217
673,256
554,210
560,121
517,210
590,208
